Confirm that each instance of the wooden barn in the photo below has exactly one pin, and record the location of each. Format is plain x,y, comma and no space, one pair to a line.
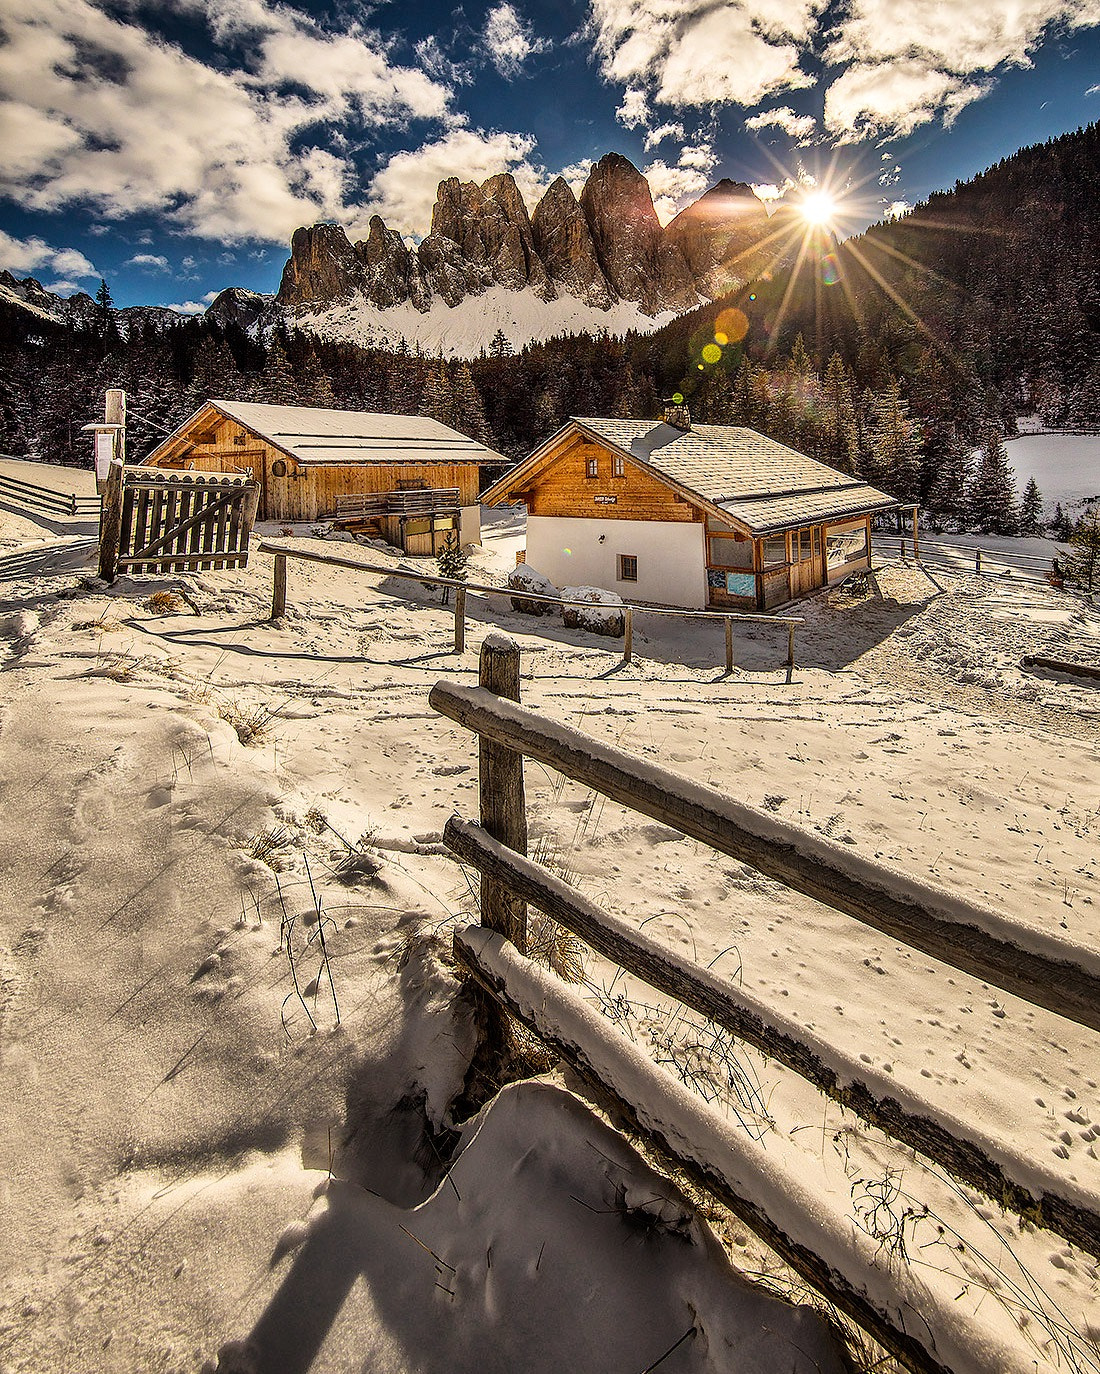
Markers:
676,515
408,479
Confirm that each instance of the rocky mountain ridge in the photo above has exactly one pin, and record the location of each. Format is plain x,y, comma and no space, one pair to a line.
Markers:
605,248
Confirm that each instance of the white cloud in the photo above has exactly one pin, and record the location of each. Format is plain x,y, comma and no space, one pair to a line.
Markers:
911,61
509,40
1093,90
633,113
100,112
700,53
148,262
897,63
893,99
897,208
768,191
194,307
188,307
663,131
64,288
31,255
403,192
672,187
798,127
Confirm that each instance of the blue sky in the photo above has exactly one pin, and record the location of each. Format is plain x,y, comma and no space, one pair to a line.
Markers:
173,148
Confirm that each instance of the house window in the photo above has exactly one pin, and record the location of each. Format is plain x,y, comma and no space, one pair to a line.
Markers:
628,567
804,535
207,436
592,467
617,468
775,551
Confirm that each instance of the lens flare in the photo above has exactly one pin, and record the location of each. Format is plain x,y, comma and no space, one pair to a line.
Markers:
731,326
712,353
830,269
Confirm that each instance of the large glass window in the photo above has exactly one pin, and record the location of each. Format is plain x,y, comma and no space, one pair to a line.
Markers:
845,544
775,550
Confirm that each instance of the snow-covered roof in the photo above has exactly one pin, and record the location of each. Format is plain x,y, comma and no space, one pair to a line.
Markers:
762,484
313,435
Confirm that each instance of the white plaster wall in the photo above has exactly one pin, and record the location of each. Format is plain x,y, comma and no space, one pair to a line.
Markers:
671,557
469,525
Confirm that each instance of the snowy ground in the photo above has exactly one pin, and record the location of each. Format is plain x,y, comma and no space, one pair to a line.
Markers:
190,1162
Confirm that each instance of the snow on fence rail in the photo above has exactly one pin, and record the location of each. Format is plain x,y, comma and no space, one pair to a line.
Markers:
48,500
282,552
834,1258
939,553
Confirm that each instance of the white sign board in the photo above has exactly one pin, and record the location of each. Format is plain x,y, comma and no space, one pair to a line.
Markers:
104,452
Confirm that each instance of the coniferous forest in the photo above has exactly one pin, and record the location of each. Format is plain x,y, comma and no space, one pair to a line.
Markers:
897,355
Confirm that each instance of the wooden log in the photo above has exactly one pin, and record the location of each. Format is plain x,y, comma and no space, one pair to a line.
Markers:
790,652
729,645
460,620
628,634
278,594
1059,665
500,775
964,1151
917,1325
1040,967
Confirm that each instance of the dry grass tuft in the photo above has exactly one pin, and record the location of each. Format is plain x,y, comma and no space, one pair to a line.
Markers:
267,846
253,724
163,603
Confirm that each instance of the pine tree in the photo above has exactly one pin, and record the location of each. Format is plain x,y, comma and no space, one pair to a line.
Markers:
499,345
991,501
451,561
278,385
1061,526
948,500
1083,566
894,445
839,431
1031,509
468,411
437,402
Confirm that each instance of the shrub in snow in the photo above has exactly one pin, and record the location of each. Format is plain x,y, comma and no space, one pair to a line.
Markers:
527,579
599,611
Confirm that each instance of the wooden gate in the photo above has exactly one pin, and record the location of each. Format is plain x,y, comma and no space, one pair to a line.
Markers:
178,521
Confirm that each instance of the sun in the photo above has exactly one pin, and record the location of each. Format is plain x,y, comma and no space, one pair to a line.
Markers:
819,208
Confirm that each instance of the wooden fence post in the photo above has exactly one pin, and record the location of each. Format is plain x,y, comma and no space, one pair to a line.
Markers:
278,593
977,560
110,523
729,645
460,620
790,653
503,804
628,634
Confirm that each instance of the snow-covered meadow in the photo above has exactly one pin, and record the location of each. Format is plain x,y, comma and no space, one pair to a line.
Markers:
201,1158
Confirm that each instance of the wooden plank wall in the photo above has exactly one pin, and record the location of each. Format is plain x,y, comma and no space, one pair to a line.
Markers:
563,488
228,447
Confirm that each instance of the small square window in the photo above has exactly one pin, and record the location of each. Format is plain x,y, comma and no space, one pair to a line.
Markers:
617,468
592,467
628,567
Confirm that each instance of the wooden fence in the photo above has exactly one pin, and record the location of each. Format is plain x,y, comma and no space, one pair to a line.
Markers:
282,552
161,521
911,1321
1028,567
47,500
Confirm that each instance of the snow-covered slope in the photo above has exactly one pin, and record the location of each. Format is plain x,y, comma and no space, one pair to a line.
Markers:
465,329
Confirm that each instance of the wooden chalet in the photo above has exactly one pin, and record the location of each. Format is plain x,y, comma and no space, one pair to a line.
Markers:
694,516
405,478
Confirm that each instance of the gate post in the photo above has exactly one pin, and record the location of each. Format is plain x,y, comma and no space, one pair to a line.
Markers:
110,522
278,591
503,804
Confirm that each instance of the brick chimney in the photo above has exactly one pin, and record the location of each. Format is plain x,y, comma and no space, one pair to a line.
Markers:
675,412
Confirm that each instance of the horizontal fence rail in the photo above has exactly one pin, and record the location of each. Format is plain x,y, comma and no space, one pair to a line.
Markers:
48,500
375,504
1030,567
970,1155
768,1189
281,552
920,1328
1040,967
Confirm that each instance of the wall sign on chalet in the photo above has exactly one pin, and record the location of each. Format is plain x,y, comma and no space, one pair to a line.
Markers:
605,500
